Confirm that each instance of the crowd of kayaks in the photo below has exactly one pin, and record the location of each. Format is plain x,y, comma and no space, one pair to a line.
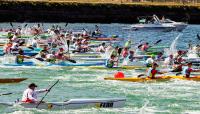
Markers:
90,57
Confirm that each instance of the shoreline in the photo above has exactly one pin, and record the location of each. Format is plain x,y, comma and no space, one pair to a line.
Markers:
73,12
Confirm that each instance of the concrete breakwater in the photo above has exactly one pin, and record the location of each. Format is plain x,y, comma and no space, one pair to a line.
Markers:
92,12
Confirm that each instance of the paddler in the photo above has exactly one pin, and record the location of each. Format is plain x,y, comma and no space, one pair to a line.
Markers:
111,61
30,94
128,44
115,51
150,61
151,72
60,55
51,57
169,60
188,69
102,48
7,47
125,52
159,57
145,46
41,56
20,57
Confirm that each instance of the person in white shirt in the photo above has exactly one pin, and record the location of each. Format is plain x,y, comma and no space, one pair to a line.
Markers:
169,60
150,61
102,48
30,94
14,38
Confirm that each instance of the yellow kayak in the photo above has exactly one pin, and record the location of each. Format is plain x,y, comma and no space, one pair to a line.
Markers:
163,78
115,68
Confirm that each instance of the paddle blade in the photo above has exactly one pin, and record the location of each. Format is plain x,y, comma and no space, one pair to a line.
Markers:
158,41
140,46
25,25
70,60
140,75
11,24
5,94
66,24
179,73
198,36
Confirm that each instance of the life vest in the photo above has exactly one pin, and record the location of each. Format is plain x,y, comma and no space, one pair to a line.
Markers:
28,100
19,60
151,73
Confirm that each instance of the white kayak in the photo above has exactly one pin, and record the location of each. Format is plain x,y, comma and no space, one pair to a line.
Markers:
76,104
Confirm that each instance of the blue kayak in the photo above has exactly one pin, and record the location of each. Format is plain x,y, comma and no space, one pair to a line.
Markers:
58,64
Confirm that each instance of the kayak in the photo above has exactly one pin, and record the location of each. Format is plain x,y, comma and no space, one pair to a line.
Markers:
161,78
11,80
85,56
56,64
115,68
92,59
107,39
75,104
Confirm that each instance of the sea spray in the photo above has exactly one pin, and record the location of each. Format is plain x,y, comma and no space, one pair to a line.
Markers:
173,49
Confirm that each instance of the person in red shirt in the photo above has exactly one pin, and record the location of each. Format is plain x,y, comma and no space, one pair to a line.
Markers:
151,72
187,70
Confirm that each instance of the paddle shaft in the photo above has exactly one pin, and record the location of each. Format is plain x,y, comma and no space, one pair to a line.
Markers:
47,93
158,41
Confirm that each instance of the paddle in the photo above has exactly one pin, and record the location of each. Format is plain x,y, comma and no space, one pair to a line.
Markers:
66,24
11,25
6,94
155,43
25,25
198,36
158,41
140,75
71,60
47,93
179,73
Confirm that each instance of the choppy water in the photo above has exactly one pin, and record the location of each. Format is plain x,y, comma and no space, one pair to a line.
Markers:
174,96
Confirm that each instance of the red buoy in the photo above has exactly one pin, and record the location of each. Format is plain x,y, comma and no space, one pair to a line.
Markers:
119,75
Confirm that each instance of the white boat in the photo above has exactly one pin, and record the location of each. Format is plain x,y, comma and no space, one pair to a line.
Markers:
155,26
154,23
75,104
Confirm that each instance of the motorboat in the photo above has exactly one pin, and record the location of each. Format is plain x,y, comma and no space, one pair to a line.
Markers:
154,23
180,26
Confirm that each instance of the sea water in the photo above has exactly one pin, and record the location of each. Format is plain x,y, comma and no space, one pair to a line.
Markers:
171,97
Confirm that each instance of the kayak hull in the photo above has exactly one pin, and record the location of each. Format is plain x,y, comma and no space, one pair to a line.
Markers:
115,68
163,78
78,103
12,80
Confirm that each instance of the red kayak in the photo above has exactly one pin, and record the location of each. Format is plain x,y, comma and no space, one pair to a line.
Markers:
107,39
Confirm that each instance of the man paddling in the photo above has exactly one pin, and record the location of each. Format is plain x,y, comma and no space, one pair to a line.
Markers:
187,70
20,57
151,72
30,94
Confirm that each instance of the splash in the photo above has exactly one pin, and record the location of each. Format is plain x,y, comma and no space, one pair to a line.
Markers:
173,49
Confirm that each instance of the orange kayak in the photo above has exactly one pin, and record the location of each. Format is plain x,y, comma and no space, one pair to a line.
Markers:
12,80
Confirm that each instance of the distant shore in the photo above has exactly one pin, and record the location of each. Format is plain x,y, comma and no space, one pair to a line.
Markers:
73,12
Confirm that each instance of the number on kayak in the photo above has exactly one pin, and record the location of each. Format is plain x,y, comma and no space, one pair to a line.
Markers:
106,105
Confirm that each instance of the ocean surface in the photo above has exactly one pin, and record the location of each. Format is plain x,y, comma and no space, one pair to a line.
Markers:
171,97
